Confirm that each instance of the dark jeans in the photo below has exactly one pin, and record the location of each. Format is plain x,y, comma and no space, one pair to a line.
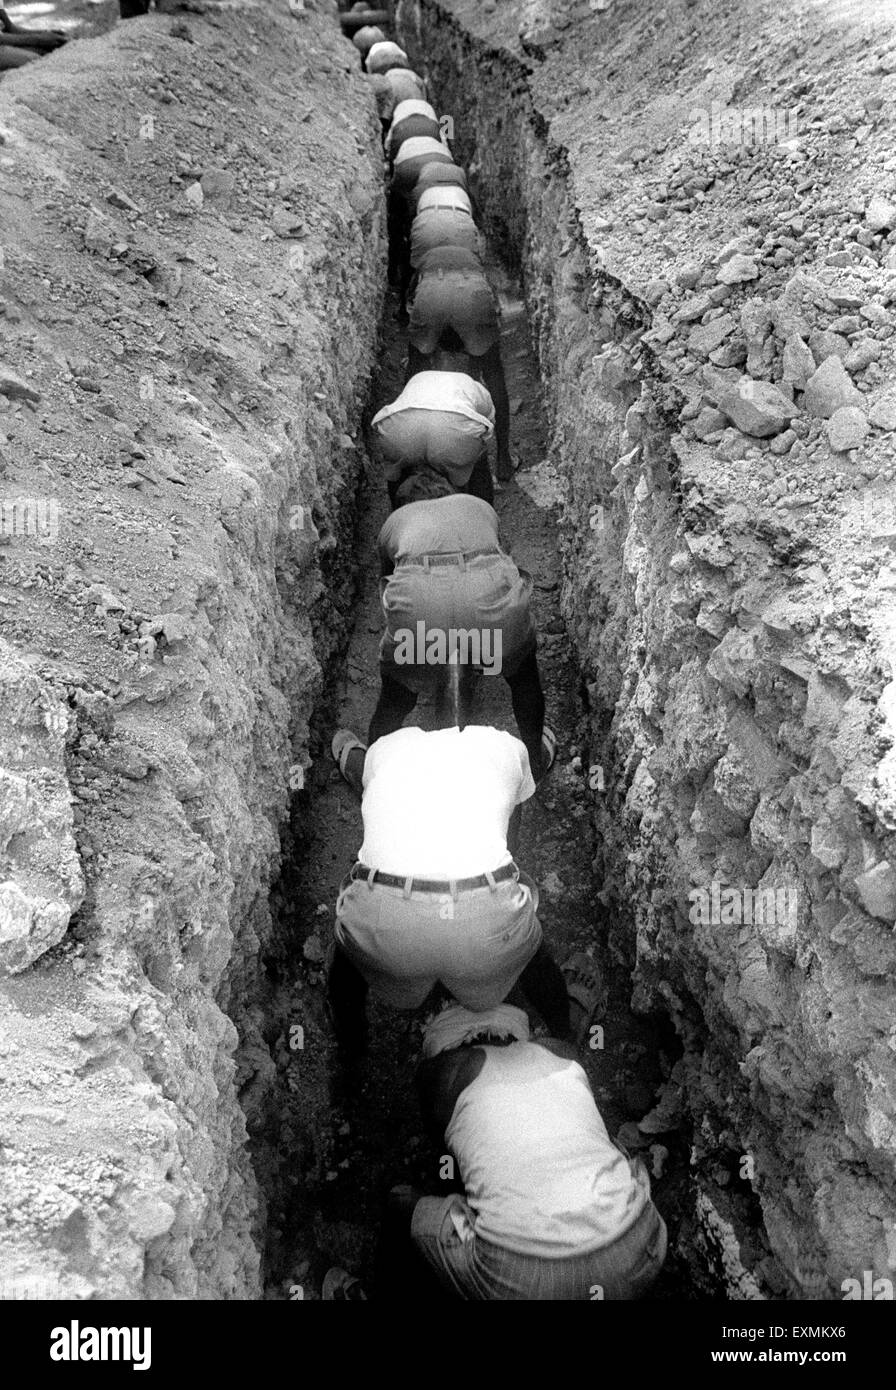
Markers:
542,983
396,702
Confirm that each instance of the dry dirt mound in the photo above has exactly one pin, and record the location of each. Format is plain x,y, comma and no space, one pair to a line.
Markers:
702,198
191,215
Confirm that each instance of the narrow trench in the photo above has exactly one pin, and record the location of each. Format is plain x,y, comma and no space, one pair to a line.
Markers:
332,1146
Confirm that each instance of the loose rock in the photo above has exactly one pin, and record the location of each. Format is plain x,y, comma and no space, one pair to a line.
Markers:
830,388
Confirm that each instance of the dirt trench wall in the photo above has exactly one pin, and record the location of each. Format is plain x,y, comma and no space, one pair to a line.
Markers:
732,606
192,268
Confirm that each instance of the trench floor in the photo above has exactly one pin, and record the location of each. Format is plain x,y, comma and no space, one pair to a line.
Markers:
344,1141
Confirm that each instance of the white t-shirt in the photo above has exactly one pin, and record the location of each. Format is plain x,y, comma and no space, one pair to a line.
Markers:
537,1163
437,805
381,56
403,111
417,145
413,108
454,391
445,195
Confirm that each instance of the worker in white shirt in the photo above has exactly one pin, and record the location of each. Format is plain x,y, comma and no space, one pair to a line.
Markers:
413,157
444,572
384,55
410,120
435,896
442,420
552,1209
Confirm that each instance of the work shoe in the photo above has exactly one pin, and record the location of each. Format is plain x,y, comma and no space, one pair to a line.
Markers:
587,992
344,742
548,752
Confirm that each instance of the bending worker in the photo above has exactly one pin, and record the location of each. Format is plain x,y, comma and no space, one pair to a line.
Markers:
411,120
452,308
436,896
383,55
552,1210
444,570
393,87
364,39
441,420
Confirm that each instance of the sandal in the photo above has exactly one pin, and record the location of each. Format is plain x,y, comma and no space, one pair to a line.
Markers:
344,741
341,1287
586,987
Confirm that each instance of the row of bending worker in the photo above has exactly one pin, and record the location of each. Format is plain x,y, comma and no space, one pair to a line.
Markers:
546,1206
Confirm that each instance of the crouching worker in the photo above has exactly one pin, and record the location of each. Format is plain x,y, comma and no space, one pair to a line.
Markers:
445,572
393,87
365,37
411,120
552,1210
435,896
443,421
383,55
453,309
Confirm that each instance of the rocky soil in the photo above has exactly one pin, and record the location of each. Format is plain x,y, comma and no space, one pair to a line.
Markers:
701,197
191,225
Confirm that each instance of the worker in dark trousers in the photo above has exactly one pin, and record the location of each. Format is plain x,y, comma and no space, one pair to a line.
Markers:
452,308
436,896
442,420
443,567
551,1209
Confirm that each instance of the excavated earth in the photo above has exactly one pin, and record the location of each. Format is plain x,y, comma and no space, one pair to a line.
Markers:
193,259
194,335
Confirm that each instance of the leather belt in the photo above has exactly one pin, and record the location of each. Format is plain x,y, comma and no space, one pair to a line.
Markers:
450,557
433,885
